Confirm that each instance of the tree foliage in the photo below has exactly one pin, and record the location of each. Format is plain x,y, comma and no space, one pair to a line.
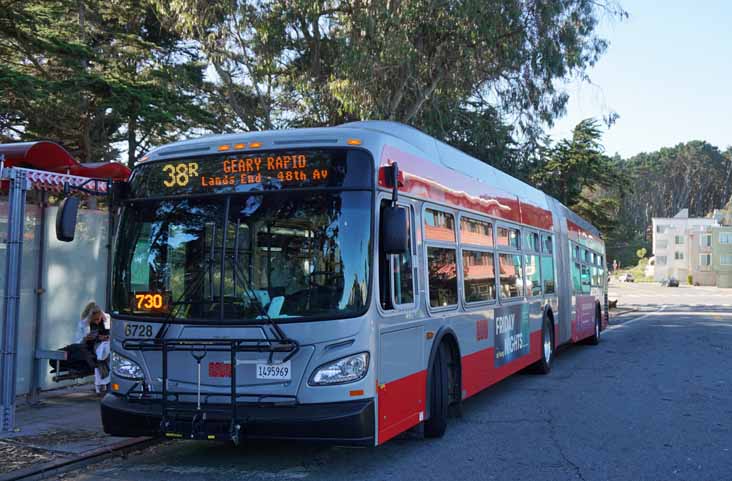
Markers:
578,173
694,175
305,62
99,77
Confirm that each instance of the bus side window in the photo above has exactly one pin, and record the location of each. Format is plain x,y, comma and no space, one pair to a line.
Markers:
585,279
396,273
547,274
576,282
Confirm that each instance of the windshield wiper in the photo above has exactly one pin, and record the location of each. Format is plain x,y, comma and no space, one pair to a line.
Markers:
175,306
251,294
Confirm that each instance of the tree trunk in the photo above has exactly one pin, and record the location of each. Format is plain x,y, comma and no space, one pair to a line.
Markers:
132,141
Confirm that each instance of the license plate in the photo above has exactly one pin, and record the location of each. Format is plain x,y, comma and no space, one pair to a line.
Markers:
282,371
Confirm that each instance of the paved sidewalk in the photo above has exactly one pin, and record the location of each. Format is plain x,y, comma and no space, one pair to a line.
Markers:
66,425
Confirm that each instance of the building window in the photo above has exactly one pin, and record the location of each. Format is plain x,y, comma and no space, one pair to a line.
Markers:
725,260
679,239
439,226
661,244
705,259
478,276
442,275
679,256
725,237
661,260
705,240
661,228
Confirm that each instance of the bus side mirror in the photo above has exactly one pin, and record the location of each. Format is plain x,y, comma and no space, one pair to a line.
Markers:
394,230
66,219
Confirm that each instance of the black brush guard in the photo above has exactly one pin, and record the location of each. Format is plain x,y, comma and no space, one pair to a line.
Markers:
181,419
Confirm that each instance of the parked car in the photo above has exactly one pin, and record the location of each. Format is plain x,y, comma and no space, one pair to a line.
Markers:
627,277
673,282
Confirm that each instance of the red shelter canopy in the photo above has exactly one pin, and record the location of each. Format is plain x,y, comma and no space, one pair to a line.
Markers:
51,157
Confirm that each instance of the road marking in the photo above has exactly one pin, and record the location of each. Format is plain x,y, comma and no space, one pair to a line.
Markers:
631,321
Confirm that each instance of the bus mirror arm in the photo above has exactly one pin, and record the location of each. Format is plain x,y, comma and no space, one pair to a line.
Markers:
394,218
394,184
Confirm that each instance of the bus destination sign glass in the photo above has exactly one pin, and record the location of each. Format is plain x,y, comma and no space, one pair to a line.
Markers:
253,172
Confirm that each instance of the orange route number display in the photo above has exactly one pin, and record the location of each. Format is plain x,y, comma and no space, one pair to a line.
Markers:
150,301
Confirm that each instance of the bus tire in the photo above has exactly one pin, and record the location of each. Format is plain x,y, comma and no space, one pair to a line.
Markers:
544,365
436,425
595,339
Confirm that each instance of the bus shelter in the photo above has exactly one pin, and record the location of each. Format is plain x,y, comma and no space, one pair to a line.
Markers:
44,282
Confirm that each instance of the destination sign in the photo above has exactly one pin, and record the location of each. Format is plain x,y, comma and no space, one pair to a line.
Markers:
258,171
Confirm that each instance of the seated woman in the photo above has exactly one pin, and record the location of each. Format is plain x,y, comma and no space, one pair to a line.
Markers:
92,337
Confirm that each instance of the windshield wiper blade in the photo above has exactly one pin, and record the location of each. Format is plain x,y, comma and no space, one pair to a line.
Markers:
252,295
197,281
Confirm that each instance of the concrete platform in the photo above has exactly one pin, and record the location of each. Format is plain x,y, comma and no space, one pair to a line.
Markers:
65,425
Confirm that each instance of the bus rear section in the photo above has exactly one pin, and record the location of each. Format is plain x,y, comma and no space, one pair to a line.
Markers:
240,288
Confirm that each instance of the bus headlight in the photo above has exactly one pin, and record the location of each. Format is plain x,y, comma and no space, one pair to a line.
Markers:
341,371
126,368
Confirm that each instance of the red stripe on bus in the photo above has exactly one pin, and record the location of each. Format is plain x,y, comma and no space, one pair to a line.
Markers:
479,372
400,404
401,401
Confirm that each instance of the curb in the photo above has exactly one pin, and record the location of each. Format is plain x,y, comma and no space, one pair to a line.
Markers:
54,468
612,316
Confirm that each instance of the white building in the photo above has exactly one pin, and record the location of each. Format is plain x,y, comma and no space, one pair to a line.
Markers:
673,249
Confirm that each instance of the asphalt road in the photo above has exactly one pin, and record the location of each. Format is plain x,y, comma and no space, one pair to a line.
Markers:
652,402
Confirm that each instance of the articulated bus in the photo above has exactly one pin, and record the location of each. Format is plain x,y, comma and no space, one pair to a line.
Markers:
342,284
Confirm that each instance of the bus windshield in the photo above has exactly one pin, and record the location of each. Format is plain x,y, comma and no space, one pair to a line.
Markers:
245,257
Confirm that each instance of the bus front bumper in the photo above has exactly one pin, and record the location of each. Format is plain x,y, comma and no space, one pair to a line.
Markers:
348,422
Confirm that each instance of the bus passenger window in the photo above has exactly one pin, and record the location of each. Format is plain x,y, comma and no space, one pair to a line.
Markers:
479,276
442,275
511,275
547,245
509,237
476,232
547,274
532,241
585,278
396,273
576,278
533,276
402,272
439,226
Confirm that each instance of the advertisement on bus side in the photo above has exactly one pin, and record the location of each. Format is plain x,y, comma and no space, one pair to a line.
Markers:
585,315
511,333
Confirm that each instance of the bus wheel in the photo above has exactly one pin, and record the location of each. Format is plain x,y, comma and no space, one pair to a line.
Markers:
595,339
435,426
547,347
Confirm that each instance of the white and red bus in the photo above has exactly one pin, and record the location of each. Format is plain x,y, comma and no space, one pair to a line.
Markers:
341,284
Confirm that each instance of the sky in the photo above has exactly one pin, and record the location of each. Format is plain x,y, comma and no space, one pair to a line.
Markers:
667,73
